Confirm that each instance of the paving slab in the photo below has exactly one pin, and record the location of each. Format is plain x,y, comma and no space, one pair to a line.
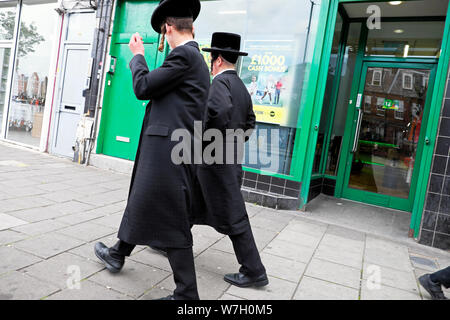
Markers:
89,290
282,268
134,279
156,293
386,293
404,280
211,286
152,258
13,259
8,221
64,270
217,261
48,245
340,255
297,238
19,286
34,229
9,236
388,254
289,250
36,214
87,231
316,289
333,272
277,289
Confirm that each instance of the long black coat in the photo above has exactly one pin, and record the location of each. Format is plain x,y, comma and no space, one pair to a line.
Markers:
219,185
161,193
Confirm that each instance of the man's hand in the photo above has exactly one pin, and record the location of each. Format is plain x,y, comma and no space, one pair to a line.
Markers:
136,44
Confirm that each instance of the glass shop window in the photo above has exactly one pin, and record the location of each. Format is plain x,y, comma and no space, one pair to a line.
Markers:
278,35
28,98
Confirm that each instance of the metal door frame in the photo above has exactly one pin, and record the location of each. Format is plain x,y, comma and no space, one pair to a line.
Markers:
346,164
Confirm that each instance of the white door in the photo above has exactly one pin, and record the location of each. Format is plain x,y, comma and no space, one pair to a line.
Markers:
76,59
71,104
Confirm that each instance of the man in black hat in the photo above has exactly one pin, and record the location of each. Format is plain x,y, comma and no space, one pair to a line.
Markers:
230,111
161,192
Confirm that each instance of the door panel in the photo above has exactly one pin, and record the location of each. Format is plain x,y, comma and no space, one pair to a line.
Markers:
390,122
71,104
122,113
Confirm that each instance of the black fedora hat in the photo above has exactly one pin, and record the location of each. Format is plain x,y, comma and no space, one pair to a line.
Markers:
227,43
176,9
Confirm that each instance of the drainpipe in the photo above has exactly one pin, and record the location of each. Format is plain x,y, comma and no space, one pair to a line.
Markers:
92,106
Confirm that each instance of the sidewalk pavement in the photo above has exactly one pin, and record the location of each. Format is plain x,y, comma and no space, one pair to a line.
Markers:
53,211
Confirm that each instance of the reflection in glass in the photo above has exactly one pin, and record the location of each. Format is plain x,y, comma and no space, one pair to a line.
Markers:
31,73
406,39
345,87
390,130
7,19
276,36
328,98
5,54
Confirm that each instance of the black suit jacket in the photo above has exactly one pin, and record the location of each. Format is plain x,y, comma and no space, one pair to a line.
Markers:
219,185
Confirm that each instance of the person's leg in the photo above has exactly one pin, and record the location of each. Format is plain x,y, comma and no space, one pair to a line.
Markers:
182,263
121,249
442,277
247,253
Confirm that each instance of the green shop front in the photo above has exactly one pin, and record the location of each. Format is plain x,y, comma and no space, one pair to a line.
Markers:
347,94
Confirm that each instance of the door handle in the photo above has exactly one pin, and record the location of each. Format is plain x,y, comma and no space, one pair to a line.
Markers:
358,124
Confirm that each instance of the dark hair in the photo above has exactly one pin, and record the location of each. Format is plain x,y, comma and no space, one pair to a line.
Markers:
228,57
183,25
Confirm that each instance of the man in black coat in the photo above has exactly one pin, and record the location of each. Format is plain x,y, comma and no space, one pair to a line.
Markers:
230,115
161,193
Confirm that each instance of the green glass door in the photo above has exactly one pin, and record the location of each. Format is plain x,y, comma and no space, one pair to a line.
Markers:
387,133
122,112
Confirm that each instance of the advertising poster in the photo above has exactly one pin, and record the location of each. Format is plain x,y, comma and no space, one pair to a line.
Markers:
265,73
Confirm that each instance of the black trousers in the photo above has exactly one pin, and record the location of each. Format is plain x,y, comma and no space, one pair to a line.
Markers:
247,253
182,263
442,277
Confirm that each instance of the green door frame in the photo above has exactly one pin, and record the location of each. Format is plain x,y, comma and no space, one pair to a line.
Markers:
347,157
314,95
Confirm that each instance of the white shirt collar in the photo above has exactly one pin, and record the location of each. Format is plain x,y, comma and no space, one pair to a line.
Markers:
184,42
224,71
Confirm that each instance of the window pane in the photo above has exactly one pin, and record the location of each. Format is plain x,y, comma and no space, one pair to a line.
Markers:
345,87
5,54
276,36
406,39
28,101
7,19
328,98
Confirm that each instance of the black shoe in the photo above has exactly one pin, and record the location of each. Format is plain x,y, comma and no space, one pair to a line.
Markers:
114,265
243,281
434,289
160,250
166,298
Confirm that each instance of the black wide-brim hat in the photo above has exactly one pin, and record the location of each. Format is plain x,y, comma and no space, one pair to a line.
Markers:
226,42
176,9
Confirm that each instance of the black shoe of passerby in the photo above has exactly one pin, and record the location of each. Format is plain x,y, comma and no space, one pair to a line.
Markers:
114,265
159,250
434,289
243,281
171,297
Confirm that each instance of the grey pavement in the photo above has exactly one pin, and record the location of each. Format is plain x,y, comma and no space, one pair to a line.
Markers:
53,211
